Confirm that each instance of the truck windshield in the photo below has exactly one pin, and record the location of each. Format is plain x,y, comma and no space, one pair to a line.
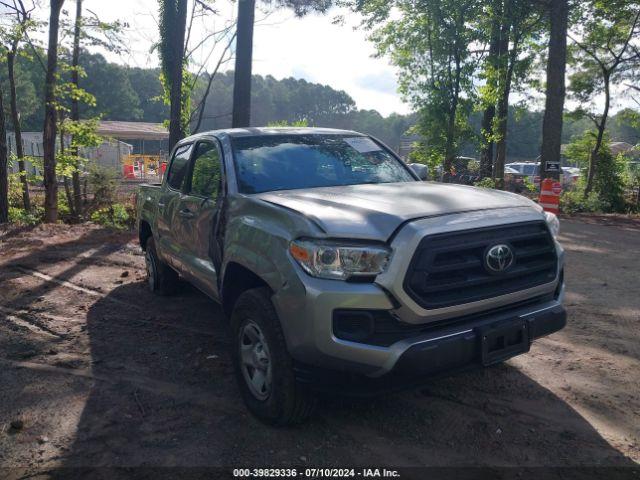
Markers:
287,162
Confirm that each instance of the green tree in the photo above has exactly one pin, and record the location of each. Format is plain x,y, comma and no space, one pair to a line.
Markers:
604,53
520,28
430,41
21,25
49,135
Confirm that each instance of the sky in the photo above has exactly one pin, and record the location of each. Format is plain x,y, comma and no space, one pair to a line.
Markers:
312,48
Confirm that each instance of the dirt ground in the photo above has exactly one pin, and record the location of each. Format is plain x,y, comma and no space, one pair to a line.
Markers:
95,371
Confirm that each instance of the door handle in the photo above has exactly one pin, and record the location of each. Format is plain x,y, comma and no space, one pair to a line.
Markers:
186,213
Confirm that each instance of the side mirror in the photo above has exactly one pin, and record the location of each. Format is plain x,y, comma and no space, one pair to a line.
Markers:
421,170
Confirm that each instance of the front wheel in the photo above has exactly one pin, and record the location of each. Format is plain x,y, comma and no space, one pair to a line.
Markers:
264,369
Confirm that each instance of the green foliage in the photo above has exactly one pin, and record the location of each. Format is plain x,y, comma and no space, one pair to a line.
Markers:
579,150
573,201
64,211
83,135
486,183
15,190
603,53
425,155
19,216
431,47
104,184
529,185
116,216
610,179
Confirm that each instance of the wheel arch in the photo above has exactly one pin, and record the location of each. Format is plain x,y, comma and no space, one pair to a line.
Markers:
238,279
144,233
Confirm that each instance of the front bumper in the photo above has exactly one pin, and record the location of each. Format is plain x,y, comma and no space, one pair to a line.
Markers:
443,351
443,345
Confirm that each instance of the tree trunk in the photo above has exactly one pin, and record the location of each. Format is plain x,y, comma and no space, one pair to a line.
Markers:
449,152
176,130
76,206
505,69
15,119
602,125
4,170
486,152
244,54
49,135
503,114
65,179
554,103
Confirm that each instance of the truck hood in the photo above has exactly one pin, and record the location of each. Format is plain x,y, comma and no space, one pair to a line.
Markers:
375,211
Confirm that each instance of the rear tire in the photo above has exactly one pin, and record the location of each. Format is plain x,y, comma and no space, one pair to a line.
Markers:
260,354
162,279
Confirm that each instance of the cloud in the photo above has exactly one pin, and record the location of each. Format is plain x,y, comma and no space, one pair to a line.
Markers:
383,82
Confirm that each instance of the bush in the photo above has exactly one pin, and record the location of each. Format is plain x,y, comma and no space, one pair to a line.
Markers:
610,182
486,182
20,216
117,216
104,184
64,212
573,201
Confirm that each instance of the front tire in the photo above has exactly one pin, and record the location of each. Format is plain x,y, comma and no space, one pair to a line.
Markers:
264,369
162,279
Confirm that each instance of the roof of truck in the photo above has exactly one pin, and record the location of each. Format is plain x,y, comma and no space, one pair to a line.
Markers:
262,131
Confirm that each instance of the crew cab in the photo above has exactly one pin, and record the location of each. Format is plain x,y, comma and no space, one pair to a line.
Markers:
340,269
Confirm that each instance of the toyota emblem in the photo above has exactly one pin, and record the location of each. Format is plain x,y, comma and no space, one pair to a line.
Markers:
498,258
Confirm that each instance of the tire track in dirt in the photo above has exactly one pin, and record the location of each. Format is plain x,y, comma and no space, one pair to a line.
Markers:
216,404
110,298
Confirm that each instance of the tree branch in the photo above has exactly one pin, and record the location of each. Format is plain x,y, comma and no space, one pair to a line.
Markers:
588,51
200,107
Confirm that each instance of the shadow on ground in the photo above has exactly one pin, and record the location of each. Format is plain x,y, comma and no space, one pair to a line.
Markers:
165,396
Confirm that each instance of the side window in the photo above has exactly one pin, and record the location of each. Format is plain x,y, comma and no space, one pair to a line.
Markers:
206,173
179,166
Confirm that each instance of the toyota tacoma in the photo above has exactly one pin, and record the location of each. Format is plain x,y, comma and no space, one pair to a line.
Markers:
339,268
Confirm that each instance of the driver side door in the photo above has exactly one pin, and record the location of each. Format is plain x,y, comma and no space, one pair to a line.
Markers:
198,215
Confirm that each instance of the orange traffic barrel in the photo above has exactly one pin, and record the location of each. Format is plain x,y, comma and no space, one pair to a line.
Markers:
550,195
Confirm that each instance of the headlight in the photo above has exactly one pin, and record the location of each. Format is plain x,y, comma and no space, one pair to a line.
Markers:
339,260
553,223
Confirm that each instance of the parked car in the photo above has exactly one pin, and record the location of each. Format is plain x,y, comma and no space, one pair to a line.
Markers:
340,270
530,170
570,176
514,180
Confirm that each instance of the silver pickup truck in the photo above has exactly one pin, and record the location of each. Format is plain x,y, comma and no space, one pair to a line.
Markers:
340,269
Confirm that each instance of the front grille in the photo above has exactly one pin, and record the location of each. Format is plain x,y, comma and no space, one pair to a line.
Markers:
448,268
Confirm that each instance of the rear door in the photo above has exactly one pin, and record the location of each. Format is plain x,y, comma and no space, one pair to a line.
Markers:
169,205
198,215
